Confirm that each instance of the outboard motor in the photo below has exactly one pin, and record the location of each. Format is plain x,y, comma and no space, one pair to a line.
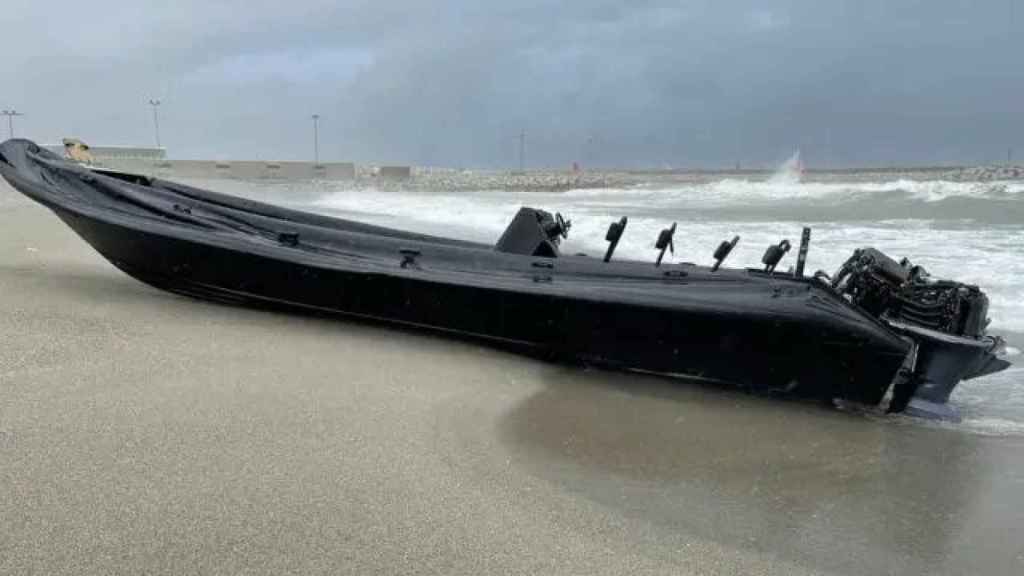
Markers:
945,319
534,233
906,293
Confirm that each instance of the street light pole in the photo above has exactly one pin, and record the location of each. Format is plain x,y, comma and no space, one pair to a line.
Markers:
316,139
156,120
10,120
522,150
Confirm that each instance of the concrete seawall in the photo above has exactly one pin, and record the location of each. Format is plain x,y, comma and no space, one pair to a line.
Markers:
243,169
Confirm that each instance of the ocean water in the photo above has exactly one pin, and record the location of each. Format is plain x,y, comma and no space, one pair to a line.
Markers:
972,232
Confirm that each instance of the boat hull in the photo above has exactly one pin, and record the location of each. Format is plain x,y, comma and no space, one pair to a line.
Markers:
800,359
766,332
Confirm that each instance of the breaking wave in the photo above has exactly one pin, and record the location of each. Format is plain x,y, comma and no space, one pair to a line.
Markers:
999,203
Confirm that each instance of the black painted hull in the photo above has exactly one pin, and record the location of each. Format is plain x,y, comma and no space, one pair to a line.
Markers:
737,326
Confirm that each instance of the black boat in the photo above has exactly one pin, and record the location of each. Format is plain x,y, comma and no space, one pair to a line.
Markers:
878,331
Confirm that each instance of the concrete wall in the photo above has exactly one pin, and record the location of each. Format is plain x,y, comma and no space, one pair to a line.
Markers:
396,172
236,169
118,153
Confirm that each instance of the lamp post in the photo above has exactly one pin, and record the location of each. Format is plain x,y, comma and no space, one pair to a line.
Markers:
10,120
156,120
522,150
316,140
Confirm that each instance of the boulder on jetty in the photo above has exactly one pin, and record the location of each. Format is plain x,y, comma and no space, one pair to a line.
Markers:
450,179
987,174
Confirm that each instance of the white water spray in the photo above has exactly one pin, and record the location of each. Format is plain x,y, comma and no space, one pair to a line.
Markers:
790,172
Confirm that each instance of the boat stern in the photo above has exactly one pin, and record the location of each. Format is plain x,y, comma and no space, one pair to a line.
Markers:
938,364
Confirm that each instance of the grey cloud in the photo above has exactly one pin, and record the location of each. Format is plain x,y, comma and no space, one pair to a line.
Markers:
647,83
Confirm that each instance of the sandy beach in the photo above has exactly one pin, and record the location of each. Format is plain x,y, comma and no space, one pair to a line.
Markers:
142,432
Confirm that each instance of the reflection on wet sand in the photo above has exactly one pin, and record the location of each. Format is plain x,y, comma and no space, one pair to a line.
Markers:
834,490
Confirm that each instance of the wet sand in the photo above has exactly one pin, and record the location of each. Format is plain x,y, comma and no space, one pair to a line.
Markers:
142,432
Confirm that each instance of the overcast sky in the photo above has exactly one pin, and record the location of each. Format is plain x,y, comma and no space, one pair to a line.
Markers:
629,83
